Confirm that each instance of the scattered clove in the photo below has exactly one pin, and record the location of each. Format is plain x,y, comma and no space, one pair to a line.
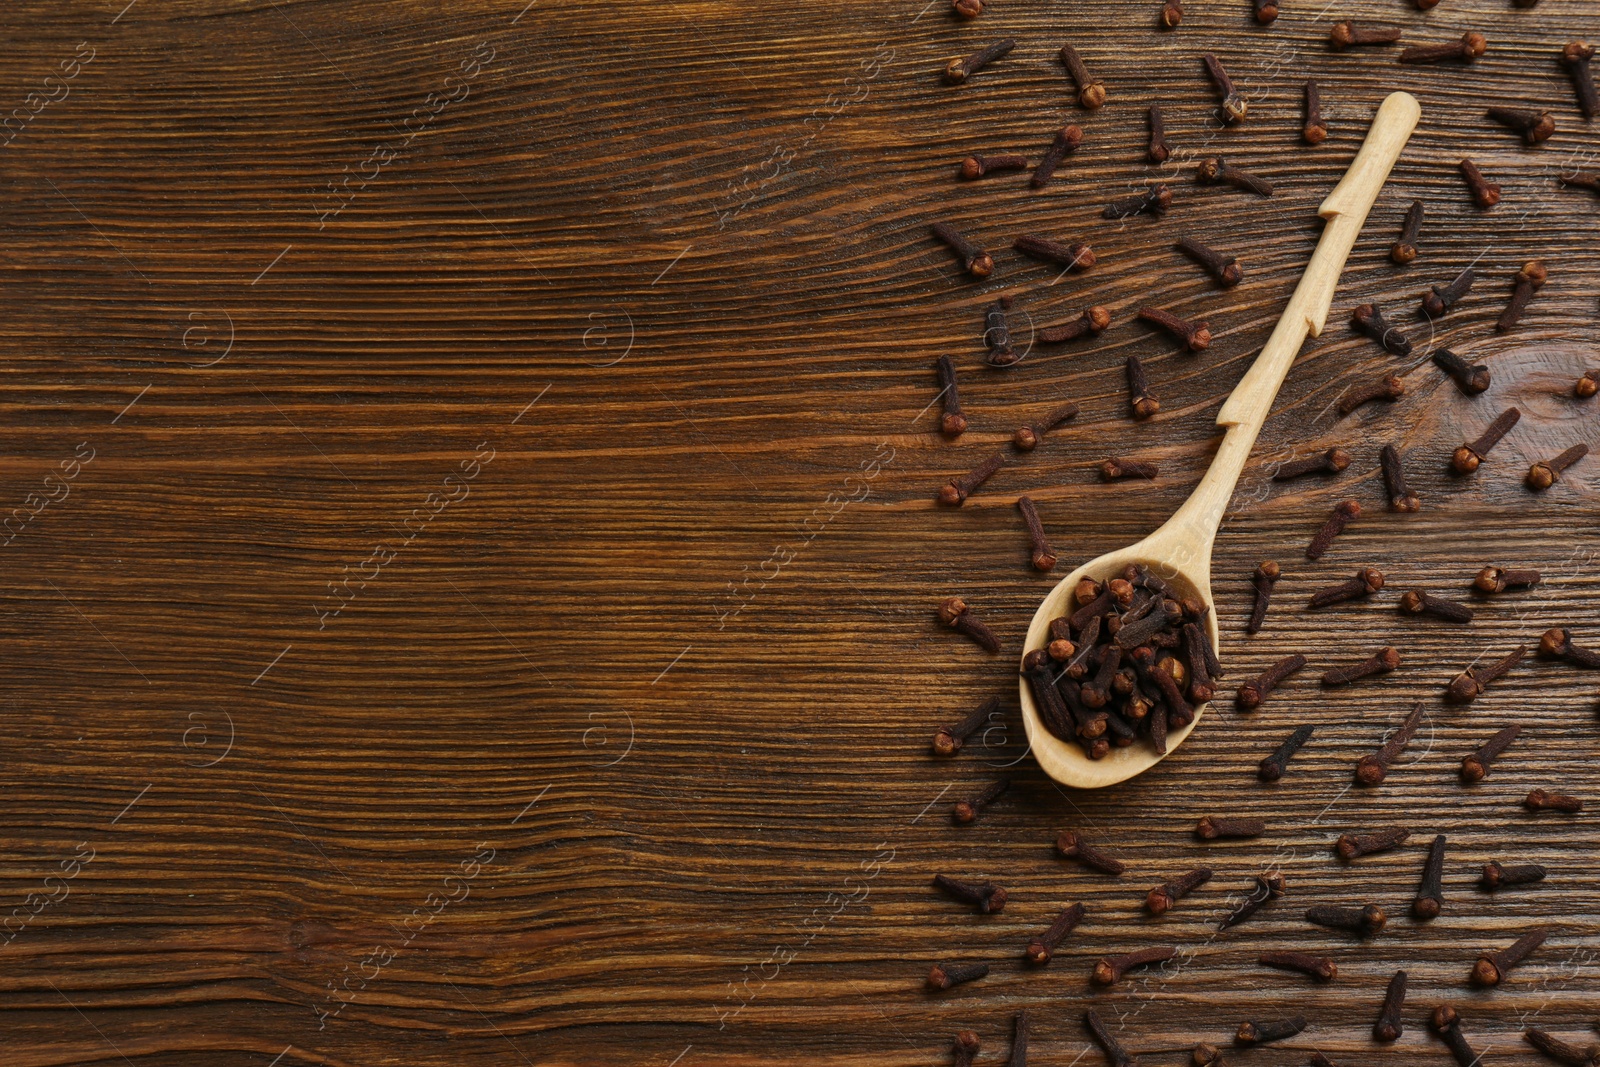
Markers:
1470,455
1040,949
1545,473
1353,846
1404,249
1470,47
1264,580
1485,193
1367,319
1401,498
960,70
1443,298
949,739
1332,461
1268,887
1273,766
1420,601
1429,900
1389,387
1156,201
1470,683
1491,967
1092,321
1026,438
1068,138
1253,692
1529,280
956,491
1373,768
955,614
1380,662
1160,900
1475,768
1469,378
1344,513
1364,921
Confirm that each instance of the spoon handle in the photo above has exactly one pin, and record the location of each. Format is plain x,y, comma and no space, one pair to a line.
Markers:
1194,525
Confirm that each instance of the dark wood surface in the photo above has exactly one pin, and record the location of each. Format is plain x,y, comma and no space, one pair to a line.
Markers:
620,757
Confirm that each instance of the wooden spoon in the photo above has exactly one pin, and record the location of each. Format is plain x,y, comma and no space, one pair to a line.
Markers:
1180,551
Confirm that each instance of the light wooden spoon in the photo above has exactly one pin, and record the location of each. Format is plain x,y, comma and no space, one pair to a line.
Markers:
1180,551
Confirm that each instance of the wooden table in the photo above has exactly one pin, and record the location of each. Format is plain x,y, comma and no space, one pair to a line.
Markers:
473,554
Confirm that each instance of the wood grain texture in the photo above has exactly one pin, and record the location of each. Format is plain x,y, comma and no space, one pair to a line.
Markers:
616,752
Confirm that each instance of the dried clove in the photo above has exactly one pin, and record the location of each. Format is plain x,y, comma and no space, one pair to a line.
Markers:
1389,1026
1485,193
1073,847
1110,969
1496,876
1158,151
1234,106
954,422
1430,892
1026,438
1470,683
965,811
1491,967
1040,949
1470,455
1332,461
1545,473
1141,401
1155,201
1224,268
1372,769
1469,378
1195,336
1264,580
1368,319
1343,514
1404,249
960,70
1475,768
1353,846
1364,921
956,491
974,260
1260,1032
955,614
1401,498
1092,321
1534,126
1420,601
1544,800
949,739
1091,91
1253,692
1115,469
1321,968
1268,887
1348,35
1470,47
1161,899
1068,138
1443,298
1272,767
1529,280
1044,557
1364,582
1576,57
975,166
987,897
1315,130
1074,257
942,976
1389,387
1216,171
1380,662
1213,827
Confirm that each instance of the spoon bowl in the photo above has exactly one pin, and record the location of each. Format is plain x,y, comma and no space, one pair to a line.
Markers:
1180,551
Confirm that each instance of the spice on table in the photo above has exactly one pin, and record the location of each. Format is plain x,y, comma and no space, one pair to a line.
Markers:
1380,662
1321,968
1091,90
1041,948
1529,280
1094,320
1268,887
965,1044
1389,1026
942,976
1556,643
1044,557
1364,921
975,166
1154,201
1331,461
1115,1053
1217,171
949,739
1545,473
960,70
1544,800
1073,847
1468,48
1141,401
1534,126
1074,257
1491,967
1158,152
1562,1051
1499,579
997,334
1470,683
1496,876
1110,969
1196,336
1404,250
965,811
1469,378
1114,469
1587,385
1348,35
1429,900
974,260
1160,900
1215,827
955,614
1221,266
1262,1031
954,422
956,491
1263,581
1373,768
1388,387
1353,846
1576,57
1272,767
1253,692
1234,107
1471,455
1344,513
1485,193
1475,767
1363,583
1401,498
1027,438
1421,602
1369,320
1171,14
987,897
1315,129
1443,297
1445,1022
1068,138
